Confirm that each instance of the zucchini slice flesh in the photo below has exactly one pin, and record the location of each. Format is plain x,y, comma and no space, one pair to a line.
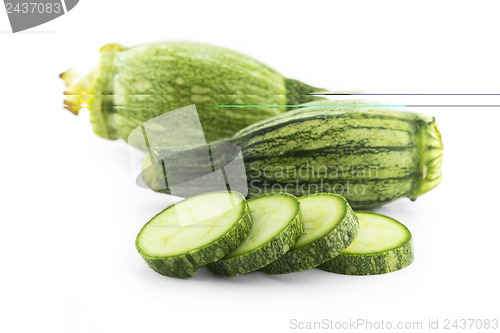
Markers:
194,232
277,224
329,227
383,245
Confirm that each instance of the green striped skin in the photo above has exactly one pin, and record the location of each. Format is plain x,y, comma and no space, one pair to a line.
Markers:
265,253
321,250
369,155
185,265
133,85
375,263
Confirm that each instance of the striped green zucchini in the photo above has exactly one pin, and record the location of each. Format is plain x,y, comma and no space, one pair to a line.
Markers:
369,155
134,84
382,245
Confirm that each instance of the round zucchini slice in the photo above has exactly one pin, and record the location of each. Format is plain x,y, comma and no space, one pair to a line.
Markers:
383,245
277,224
194,232
329,227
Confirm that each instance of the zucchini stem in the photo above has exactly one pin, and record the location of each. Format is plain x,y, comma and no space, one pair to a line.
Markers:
431,157
78,89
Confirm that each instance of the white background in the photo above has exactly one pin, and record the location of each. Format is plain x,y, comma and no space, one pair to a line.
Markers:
70,208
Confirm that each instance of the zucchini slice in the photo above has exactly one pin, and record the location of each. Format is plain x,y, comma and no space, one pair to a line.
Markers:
383,245
194,232
277,224
329,227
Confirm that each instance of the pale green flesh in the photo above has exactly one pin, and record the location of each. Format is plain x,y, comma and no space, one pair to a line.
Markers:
270,215
191,224
377,234
321,214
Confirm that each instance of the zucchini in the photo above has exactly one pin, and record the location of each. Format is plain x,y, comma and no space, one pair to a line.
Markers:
329,227
383,245
369,155
277,224
134,84
194,232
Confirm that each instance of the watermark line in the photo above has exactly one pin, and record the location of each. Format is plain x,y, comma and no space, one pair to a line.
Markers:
402,94
303,106
452,106
370,106
63,3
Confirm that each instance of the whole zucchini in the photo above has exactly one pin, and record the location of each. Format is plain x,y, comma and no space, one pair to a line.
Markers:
369,155
135,84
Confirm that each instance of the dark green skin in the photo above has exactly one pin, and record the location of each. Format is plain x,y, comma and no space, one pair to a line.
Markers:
371,264
371,156
185,265
319,251
263,256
